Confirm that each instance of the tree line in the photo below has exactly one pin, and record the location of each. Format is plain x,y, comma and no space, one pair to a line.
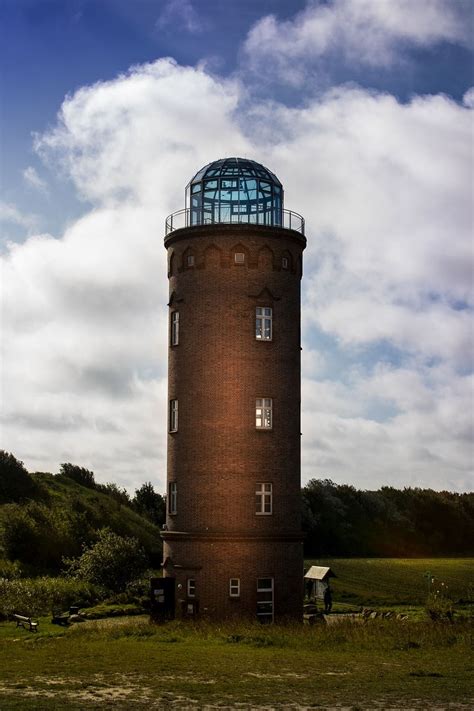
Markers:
43,520
340,520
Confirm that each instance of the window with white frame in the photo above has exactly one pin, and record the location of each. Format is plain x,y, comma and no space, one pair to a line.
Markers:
265,591
174,328
173,415
190,260
172,497
263,413
284,263
264,498
239,258
191,585
263,323
234,587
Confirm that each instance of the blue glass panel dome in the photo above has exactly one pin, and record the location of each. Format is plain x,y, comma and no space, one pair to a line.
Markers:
235,190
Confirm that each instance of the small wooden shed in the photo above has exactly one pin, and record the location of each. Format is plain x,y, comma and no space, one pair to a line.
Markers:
317,580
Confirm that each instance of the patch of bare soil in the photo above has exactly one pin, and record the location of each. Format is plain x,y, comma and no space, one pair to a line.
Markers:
129,692
118,690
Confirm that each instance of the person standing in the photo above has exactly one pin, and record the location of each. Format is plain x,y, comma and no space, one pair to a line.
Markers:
327,600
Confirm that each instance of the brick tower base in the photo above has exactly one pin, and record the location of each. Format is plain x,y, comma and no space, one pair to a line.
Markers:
213,560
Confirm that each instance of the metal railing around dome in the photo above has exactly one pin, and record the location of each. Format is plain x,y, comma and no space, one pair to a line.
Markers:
182,218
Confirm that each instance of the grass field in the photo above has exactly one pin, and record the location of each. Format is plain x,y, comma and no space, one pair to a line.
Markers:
129,664
398,581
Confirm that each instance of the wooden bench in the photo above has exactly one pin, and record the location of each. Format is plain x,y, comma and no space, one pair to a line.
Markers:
24,621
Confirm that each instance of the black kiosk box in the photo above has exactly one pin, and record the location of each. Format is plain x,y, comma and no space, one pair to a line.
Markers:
162,595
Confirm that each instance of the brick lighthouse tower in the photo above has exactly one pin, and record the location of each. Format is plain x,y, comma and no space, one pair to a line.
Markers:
232,540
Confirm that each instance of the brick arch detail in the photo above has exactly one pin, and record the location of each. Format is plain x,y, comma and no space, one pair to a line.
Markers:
265,258
212,256
291,262
184,257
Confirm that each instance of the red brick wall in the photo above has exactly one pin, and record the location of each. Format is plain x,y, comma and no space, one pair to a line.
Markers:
216,372
221,560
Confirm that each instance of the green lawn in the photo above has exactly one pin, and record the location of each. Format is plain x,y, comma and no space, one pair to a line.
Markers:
129,664
395,581
137,665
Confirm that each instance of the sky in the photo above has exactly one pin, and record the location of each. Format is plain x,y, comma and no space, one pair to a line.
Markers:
363,108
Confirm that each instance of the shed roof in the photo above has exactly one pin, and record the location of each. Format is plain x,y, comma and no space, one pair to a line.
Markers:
319,572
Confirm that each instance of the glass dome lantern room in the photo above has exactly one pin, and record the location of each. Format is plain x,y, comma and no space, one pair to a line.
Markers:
235,190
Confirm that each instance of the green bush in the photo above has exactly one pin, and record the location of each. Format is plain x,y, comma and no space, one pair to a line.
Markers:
15,482
39,596
439,607
20,536
37,535
105,610
82,476
10,569
112,562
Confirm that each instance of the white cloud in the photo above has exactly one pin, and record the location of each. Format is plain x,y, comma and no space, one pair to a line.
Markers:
365,32
139,136
178,14
468,98
9,213
85,318
385,190
426,441
387,202
32,179
84,352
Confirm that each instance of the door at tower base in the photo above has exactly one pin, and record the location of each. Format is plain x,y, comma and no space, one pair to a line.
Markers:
237,579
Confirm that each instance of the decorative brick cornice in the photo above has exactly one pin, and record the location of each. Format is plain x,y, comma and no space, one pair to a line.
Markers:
228,536
238,230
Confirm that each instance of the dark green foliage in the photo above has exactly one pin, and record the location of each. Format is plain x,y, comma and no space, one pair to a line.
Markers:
78,474
15,482
39,596
111,562
120,495
106,610
340,520
150,504
64,517
20,534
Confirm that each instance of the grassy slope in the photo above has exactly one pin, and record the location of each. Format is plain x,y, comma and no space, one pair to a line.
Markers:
388,664
100,509
396,581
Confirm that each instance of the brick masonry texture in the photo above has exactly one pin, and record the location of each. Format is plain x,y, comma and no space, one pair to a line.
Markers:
216,372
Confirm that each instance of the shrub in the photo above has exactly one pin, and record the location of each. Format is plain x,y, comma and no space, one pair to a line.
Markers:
10,570
115,492
39,596
78,474
15,482
150,504
106,610
20,534
439,607
111,562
